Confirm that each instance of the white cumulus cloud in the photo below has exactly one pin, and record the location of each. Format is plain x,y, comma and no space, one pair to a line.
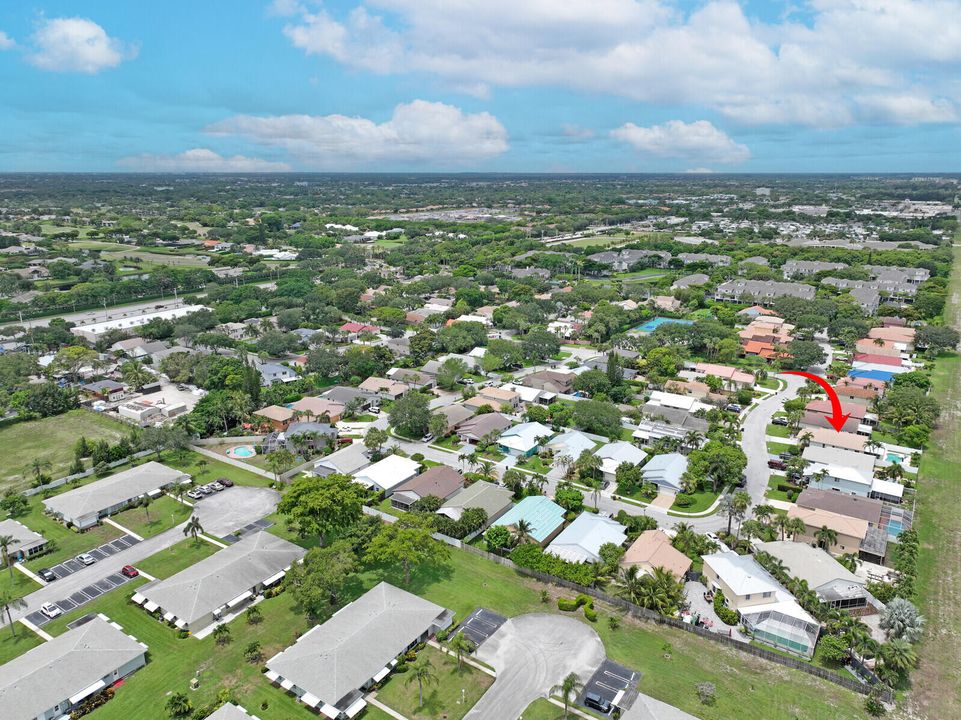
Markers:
842,64
77,45
200,160
419,132
698,140
6,42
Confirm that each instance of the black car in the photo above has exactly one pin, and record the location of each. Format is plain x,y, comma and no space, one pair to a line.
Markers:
785,455
46,574
780,420
596,702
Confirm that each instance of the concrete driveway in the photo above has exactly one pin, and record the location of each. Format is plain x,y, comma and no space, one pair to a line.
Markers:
533,653
233,508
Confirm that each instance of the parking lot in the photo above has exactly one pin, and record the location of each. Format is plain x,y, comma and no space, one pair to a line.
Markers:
614,683
82,596
481,624
255,526
69,567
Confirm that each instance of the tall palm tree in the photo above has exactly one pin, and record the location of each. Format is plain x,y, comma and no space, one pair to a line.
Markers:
487,469
794,527
630,584
826,537
595,484
461,645
740,503
763,513
423,673
726,507
5,542
9,603
897,656
193,527
569,688
145,501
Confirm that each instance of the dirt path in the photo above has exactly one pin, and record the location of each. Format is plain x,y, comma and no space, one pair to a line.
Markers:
936,692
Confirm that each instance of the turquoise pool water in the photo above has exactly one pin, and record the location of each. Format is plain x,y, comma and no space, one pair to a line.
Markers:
652,325
242,451
894,458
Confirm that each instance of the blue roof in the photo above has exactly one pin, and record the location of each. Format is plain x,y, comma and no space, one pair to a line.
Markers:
882,375
543,514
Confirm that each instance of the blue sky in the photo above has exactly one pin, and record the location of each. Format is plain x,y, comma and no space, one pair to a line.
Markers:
498,85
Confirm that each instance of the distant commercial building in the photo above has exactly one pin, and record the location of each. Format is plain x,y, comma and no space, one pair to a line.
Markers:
93,331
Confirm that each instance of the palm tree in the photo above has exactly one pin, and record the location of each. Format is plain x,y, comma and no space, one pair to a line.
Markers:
221,634
423,672
569,688
726,507
179,705
692,440
487,469
897,656
826,537
469,460
630,584
595,484
5,542
9,603
794,527
193,527
461,645
522,531
587,465
145,501
740,503
763,514
37,467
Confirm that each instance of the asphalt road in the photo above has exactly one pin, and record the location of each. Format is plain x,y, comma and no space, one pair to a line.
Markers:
532,654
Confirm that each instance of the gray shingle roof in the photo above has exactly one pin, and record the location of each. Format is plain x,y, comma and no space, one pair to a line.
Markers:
54,671
334,659
214,581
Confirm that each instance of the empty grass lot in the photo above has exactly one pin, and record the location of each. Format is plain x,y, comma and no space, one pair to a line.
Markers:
177,557
441,699
162,514
936,689
51,439
13,646
15,584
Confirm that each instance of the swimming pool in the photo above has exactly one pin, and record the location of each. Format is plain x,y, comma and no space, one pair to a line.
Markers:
654,324
894,528
242,451
895,458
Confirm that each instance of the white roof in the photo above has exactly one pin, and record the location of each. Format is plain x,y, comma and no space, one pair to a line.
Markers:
887,487
386,473
741,573
808,563
617,452
582,539
523,437
681,402
572,443
861,462
135,321
527,394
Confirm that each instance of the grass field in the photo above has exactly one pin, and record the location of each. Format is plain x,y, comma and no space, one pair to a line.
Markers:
776,448
542,709
13,646
51,229
51,439
782,431
155,258
15,584
162,514
702,501
937,682
441,699
175,558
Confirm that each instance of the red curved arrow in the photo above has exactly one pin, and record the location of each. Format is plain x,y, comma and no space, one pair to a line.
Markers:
837,420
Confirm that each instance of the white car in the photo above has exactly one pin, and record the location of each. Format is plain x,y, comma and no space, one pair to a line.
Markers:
50,610
86,559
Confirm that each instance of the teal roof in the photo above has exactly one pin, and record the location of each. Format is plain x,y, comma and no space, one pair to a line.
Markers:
543,514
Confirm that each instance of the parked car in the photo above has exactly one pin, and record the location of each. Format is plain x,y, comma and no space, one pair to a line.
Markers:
195,494
129,571
375,409
182,387
203,490
780,420
226,482
785,455
734,408
465,381
50,610
216,486
46,574
596,702
427,438
777,464
86,559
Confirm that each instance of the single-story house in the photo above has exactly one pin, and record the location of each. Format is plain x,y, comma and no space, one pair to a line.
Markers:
854,506
384,475
221,585
229,711
665,471
677,402
495,500
454,414
524,440
731,376
332,665
834,584
25,544
140,412
383,388
653,549
498,398
650,431
830,438
570,444
345,461
345,395
277,416
51,680
439,481
831,468
480,426
545,517
615,453
551,381
580,542
86,505
414,379
851,531
313,435
317,407
108,390
769,612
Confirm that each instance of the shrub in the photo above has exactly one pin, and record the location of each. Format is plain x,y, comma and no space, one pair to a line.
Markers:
707,693
566,605
590,613
684,500
724,613
417,457
533,557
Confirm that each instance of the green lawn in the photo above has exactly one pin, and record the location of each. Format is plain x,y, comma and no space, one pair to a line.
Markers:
204,469
772,492
702,501
782,431
11,647
177,557
776,448
534,464
451,442
52,229
491,454
51,439
68,543
15,584
542,709
936,682
162,514
441,699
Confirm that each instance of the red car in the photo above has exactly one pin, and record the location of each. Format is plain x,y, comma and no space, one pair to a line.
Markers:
129,571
